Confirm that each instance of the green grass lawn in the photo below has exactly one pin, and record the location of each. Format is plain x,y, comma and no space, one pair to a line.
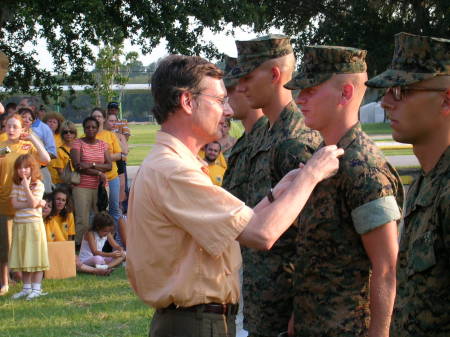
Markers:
398,152
377,128
86,305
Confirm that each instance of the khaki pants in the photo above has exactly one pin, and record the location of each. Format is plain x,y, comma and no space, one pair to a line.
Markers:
6,224
85,200
173,323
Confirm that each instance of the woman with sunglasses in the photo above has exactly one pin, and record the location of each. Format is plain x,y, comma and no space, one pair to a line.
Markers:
68,135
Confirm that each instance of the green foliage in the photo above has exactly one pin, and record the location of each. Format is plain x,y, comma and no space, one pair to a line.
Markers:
87,305
71,27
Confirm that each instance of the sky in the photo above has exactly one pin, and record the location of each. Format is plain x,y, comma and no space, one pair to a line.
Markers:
225,44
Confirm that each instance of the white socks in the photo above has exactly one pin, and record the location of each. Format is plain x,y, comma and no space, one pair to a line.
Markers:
35,286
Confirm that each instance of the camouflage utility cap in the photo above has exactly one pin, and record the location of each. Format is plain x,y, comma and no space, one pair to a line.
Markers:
230,63
320,63
253,53
3,66
416,58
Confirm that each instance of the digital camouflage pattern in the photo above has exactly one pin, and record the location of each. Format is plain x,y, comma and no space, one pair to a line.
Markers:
331,282
253,53
3,66
230,63
320,63
267,282
423,276
238,173
416,58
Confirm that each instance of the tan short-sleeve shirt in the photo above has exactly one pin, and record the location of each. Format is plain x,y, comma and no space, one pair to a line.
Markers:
182,230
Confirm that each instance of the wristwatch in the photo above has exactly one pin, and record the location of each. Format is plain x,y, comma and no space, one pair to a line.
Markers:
270,195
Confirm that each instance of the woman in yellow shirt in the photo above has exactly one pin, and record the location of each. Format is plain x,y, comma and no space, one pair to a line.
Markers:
54,120
113,177
68,134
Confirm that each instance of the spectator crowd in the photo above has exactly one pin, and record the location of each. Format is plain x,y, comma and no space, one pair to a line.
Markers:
59,185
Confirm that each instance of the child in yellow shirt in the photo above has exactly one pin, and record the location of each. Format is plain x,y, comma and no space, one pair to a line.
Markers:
63,212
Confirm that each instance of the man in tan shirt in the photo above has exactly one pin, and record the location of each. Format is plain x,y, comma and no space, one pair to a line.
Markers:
184,232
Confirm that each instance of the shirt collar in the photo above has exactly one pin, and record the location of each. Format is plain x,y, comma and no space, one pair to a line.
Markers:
166,139
36,123
350,136
442,165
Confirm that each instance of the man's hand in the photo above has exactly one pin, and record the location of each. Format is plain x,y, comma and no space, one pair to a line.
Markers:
324,163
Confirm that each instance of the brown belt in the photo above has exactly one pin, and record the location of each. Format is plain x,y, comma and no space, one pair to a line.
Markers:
214,308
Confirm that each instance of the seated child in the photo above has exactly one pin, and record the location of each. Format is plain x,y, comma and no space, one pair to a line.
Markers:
62,214
93,241
51,228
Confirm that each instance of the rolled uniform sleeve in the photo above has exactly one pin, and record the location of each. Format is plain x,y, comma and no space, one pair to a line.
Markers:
372,200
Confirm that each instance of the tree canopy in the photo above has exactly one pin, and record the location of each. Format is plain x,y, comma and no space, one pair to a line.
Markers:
71,27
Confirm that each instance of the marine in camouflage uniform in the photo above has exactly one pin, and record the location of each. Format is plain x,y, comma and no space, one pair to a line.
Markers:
332,272
236,176
423,275
267,285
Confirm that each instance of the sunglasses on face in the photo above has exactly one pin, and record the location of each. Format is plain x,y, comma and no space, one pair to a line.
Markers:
64,132
399,93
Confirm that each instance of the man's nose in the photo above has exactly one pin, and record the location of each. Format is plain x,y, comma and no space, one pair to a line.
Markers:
227,111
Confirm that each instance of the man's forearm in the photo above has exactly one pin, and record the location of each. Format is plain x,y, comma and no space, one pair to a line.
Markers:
382,296
271,220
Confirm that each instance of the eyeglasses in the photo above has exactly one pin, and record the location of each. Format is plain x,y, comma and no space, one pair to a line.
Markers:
400,92
221,100
64,132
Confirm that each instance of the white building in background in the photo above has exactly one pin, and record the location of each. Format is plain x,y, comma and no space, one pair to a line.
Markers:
371,113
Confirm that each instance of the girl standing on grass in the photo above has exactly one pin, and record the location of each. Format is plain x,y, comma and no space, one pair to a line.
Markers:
91,250
29,245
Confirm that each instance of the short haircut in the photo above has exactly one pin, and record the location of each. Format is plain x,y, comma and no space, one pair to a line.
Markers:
87,119
10,105
176,74
34,102
102,220
54,115
70,126
214,142
23,111
101,110
26,160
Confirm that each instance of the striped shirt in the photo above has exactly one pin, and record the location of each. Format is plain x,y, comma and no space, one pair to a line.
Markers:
27,215
90,153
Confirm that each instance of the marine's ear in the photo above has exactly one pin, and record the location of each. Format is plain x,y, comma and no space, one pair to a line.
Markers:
346,93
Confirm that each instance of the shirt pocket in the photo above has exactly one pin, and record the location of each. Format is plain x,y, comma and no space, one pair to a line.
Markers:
422,256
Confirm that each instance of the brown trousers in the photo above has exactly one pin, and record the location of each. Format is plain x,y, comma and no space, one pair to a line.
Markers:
173,323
